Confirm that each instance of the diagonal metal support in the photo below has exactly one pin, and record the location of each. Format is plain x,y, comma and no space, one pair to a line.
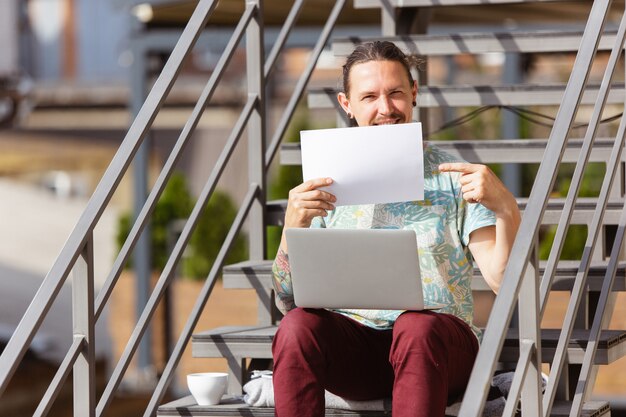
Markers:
579,290
174,258
174,157
493,338
34,316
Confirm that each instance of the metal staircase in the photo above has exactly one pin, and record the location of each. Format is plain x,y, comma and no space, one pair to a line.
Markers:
573,352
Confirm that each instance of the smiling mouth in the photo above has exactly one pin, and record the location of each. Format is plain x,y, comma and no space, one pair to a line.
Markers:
387,122
389,119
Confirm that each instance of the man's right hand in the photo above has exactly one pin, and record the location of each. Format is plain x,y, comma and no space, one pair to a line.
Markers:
306,201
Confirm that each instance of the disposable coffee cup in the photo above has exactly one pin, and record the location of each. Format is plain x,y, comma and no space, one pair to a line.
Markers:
207,388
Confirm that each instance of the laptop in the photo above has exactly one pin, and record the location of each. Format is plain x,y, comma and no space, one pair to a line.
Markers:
355,269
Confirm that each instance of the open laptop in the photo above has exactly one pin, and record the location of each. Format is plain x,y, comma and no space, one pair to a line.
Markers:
360,269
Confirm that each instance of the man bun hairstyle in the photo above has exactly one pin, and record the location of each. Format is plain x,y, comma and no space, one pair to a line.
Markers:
377,51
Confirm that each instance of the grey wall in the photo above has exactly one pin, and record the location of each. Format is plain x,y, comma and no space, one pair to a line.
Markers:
102,33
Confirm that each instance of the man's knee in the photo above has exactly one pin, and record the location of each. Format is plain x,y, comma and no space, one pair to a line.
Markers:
418,331
300,326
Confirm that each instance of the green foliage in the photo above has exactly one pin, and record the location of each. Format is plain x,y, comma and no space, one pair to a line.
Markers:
207,239
591,184
176,203
576,234
573,246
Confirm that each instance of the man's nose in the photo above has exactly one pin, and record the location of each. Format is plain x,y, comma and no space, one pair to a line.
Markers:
384,105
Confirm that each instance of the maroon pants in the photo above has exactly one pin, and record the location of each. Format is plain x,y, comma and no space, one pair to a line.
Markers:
422,363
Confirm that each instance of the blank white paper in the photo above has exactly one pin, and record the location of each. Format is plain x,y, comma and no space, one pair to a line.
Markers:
369,165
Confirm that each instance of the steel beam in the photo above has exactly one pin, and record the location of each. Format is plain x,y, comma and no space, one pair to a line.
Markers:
467,96
538,41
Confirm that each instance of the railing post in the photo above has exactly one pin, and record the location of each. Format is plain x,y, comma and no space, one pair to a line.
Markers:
529,330
142,256
83,328
255,56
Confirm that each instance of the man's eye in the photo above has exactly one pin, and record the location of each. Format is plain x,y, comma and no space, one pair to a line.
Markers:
368,98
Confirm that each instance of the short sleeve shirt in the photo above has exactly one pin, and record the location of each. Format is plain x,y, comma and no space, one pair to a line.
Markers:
442,222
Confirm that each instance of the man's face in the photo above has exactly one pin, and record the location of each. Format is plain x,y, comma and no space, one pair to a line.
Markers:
380,93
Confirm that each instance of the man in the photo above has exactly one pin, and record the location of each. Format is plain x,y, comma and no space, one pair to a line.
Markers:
420,359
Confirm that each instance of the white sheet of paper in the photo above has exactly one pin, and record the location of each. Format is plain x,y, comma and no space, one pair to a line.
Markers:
369,165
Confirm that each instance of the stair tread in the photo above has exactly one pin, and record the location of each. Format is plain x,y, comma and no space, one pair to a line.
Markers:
535,41
481,95
491,151
256,342
553,203
522,201
265,334
233,406
583,210
565,268
241,275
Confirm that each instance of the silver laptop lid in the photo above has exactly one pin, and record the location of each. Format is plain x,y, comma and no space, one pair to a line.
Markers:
361,269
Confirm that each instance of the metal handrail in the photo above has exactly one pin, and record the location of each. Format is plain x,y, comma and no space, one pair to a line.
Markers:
502,311
594,229
150,203
49,289
581,164
172,262
173,158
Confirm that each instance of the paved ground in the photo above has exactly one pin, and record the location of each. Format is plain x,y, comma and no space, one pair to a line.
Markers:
34,225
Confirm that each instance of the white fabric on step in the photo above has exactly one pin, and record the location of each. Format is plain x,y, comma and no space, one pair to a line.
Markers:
259,392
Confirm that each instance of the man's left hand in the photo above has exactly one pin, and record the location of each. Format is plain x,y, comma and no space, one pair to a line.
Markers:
480,185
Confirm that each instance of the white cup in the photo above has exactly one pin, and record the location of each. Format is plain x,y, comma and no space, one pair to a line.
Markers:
207,388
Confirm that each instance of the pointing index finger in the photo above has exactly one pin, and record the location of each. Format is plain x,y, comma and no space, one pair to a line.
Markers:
462,167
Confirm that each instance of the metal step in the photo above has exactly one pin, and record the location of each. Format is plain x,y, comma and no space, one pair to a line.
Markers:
463,96
256,342
517,151
583,211
540,41
258,274
235,407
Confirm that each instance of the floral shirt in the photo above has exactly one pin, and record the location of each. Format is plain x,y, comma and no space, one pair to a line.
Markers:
442,222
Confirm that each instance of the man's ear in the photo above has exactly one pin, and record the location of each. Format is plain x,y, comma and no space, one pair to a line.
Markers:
414,91
344,103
